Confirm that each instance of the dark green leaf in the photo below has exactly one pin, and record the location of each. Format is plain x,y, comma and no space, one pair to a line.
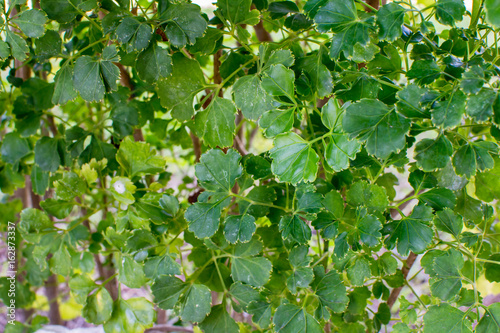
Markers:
390,19
371,120
433,154
177,91
216,124
294,160
184,23
153,64
31,22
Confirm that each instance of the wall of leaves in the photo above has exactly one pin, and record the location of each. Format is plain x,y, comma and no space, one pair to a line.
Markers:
132,162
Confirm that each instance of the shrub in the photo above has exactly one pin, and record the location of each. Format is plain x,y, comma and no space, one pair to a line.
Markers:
274,165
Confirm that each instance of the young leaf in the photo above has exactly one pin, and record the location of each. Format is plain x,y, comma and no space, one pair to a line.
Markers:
98,308
138,159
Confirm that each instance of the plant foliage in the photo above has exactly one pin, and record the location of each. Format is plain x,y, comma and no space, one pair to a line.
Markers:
285,160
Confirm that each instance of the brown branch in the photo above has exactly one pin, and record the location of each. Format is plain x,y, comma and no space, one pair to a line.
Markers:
405,270
262,34
196,146
409,261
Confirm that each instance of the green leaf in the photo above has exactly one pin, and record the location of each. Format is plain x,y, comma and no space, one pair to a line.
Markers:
64,90
153,64
294,159
493,12
203,218
290,318
134,315
31,22
219,321
301,277
254,271
243,294
450,11
39,180
319,75
87,79
80,286
250,97
332,115
58,208
239,228
359,272
488,183
424,71
177,91
371,120
410,100
4,50
480,106
295,228
62,11
183,24
340,150
138,159
218,171
17,44
492,268
215,125
196,303
135,34
238,12
261,312
131,273
60,263
70,186
490,322
473,156
334,203
166,291
447,221
371,196
449,112
473,80
162,265
433,154
98,308
277,121
412,232
14,148
390,19
447,280
439,198
369,228
331,292
341,17
279,81
445,318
